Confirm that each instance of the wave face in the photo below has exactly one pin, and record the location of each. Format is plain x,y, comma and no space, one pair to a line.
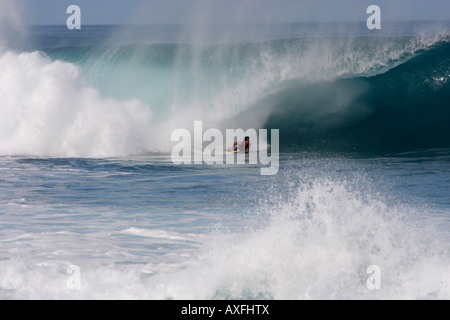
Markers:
346,93
406,108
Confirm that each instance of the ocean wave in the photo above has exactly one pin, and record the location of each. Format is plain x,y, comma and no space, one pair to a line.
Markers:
360,94
403,109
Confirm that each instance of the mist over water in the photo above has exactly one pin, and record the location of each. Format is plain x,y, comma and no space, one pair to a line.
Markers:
160,87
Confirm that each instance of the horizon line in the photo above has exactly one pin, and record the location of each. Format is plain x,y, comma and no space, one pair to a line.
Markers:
240,24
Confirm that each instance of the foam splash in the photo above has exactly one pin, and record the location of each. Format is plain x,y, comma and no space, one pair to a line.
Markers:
316,245
47,110
319,246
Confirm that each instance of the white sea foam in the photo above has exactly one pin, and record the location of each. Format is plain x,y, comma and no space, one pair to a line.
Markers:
317,245
154,233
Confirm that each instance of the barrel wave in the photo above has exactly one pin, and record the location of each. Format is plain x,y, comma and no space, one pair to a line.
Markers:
352,93
406,108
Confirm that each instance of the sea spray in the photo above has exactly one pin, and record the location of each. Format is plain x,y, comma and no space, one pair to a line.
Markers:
47,110
318,245
84,100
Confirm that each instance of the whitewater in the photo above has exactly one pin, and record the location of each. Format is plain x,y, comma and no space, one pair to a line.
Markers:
87,183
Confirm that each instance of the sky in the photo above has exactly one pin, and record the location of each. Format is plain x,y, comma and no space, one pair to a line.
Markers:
41,12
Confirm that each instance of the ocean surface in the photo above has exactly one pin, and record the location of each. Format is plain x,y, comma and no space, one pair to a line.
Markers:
92,206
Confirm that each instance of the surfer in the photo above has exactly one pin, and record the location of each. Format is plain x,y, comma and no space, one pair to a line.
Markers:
241,146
